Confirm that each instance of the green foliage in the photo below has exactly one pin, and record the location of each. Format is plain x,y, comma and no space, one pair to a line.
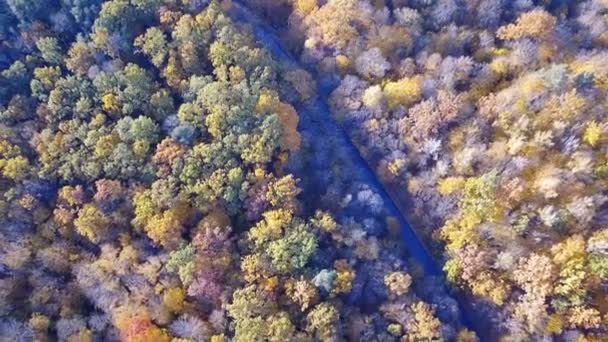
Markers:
120,19
289,242
479,196
154,45
182,261
50,50
598,265
293,250
13,80
322,321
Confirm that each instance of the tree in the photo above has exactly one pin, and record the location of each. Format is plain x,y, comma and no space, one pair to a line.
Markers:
302,292
293,250
12,165
403,92
423,325
154,44
592,134
83,11
174,298
50,50
336,23
283,192
181,261
323,321
288,242
290,138
536,275
345,275
14,80
371,64
80,58
398,283
537,23
91,223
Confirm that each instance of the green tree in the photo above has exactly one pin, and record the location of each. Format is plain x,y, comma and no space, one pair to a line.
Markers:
322,321
153,44
50,50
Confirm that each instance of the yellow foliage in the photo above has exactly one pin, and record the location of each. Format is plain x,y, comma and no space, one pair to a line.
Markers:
271,283
165,229
251,266
105,145
27,202
449,185
110,103
499,67
457,235
532,85
571,248
491,287
344,277
592,134
283,192
8,150
98,121
237,74
267,102
324,221
305,6
565,107
14,168
403,92
425,326
498,52
271,227
218,338
140,148
465,335
555,324
91,223
395,329
155,334
342,62
395,167
39,322
452,269
534,24
174,299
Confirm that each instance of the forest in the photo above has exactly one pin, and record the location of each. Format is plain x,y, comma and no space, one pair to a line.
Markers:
303,170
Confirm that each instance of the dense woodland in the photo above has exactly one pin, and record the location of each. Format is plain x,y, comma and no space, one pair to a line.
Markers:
489,119
145,148
155,183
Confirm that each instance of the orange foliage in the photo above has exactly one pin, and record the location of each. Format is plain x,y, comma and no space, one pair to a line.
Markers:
290,140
